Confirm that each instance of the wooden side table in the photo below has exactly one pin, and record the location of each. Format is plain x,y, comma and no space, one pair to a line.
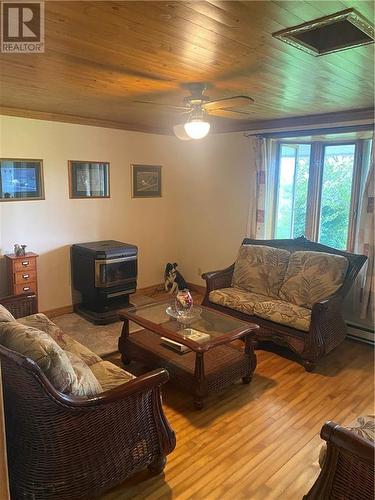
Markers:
22,274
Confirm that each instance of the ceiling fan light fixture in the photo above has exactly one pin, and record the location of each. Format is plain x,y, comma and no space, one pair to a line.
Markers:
197,128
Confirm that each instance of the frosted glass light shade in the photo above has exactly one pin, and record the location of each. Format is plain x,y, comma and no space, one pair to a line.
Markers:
180,132
197,129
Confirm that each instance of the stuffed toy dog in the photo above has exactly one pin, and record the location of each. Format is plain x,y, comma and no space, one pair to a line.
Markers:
173,279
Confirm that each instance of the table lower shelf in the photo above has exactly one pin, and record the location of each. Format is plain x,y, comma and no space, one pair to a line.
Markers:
222,365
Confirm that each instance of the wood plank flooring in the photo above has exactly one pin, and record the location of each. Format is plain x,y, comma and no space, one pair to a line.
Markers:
259,441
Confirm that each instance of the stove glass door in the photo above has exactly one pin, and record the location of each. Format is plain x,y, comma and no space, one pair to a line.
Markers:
114,272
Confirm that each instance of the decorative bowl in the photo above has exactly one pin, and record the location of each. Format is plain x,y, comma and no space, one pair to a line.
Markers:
186,316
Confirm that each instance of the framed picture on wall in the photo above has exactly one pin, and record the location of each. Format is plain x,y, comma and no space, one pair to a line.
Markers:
21,179
146,181
88,179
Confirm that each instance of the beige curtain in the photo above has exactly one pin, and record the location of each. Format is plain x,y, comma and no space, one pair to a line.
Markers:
263,188
363,293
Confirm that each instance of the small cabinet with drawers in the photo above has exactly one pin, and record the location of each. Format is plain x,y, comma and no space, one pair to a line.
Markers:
22,273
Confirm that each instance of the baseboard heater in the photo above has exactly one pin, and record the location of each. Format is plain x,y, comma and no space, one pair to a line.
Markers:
360,333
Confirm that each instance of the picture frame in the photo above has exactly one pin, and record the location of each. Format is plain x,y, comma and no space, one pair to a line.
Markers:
21,179
88,179
146,181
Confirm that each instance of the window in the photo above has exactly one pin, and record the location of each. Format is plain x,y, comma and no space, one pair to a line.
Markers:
318,186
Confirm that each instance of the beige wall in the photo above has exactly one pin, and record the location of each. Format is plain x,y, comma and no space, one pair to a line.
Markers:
49,227
214,189
198,222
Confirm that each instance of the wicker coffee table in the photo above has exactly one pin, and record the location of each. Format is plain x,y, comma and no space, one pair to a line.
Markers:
208,366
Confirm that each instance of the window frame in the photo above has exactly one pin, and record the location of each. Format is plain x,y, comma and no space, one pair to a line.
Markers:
314,189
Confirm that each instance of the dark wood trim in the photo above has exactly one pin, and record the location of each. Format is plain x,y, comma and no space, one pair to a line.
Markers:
80,120
314,122
253,127
319,131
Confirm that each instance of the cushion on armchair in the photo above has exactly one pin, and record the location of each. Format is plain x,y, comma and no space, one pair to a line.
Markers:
5,315
72,378
260,269
312,277
110,375
65,341
106,374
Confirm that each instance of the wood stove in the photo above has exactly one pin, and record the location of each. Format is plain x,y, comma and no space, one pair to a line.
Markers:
105,272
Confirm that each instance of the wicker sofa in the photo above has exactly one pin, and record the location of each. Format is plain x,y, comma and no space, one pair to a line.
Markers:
347,462
292,288
63,446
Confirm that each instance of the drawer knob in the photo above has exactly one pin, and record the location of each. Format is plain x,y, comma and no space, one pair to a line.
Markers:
25,276
25,263
26,288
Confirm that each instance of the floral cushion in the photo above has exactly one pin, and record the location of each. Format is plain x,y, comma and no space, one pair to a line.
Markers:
42,349
66,342
312,277
236,298
284,313
260,269
66,371
5,315
86,384
110,375
363,426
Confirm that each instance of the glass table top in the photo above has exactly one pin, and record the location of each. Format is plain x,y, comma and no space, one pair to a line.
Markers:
205,326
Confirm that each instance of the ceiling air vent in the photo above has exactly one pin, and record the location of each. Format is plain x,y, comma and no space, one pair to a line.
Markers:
340,31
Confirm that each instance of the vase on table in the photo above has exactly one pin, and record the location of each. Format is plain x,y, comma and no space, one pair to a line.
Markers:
183,302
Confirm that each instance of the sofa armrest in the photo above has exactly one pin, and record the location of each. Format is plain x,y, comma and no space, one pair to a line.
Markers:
348,465
20,305
218,279
332,302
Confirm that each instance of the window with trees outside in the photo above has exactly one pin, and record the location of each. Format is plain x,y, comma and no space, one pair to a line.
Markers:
318,189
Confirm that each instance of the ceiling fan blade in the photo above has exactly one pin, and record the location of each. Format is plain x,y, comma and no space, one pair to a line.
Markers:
233,115
237,101
161,105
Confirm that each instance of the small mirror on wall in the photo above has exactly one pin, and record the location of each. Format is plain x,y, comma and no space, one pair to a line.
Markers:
88,179
21,179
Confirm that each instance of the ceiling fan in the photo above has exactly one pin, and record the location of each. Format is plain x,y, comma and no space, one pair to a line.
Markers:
198,107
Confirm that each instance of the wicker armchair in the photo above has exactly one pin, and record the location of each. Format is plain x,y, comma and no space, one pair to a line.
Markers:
65,447
20,305
348,469
327,327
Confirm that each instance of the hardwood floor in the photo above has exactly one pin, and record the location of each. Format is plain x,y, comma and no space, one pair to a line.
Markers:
258,441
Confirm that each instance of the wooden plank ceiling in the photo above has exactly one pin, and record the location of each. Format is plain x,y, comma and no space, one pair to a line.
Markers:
100,57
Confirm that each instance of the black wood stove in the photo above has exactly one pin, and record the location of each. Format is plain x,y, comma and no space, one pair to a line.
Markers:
105,272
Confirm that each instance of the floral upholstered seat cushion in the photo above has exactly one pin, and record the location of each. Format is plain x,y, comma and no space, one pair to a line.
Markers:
312,277
236,298
110,375
363,426
260,269
66,371
64,340
5,315
284,313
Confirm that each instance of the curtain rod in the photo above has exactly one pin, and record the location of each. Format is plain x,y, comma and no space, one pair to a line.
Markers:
313,131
